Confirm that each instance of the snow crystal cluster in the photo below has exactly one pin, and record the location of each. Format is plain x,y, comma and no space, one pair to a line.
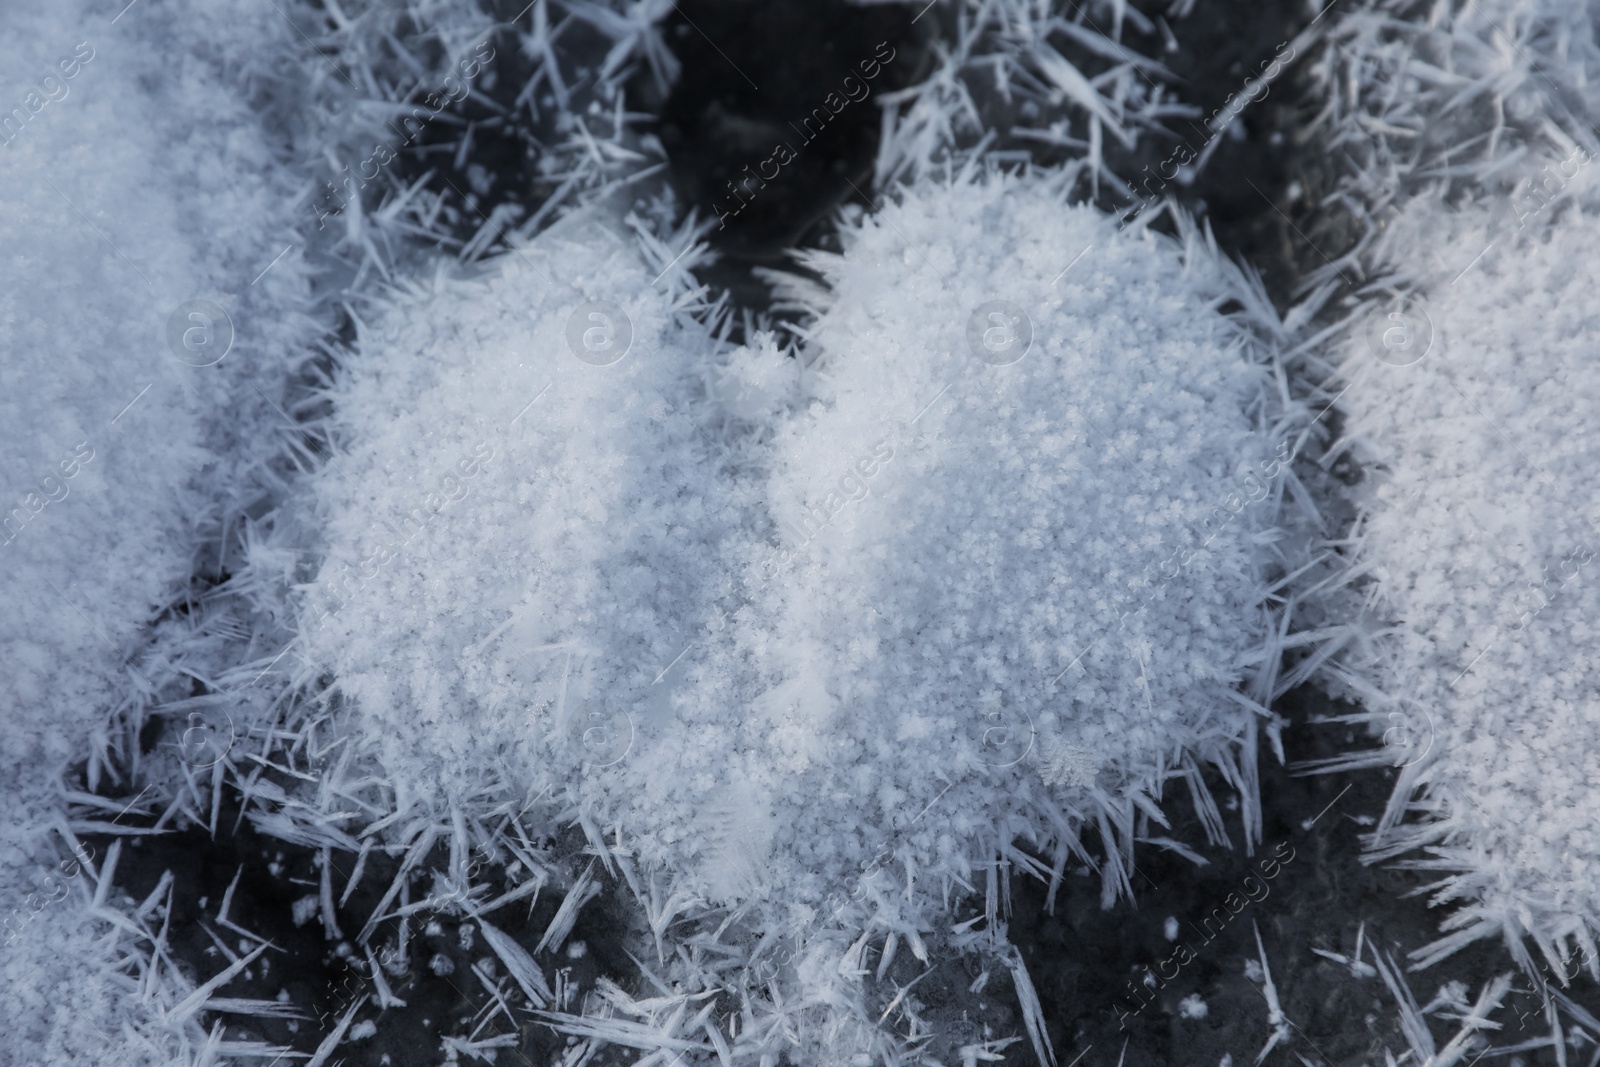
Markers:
801,637
1482,539
1013,513
139,201
134,337
527,516
995,559
1471,395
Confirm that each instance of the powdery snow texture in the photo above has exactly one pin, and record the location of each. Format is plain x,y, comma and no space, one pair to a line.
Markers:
1483,539
518,538
1473,403
1044,541
1006,582
133,177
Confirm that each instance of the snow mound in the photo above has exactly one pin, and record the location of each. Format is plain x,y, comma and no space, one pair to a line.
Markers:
952,568
525,516
1469,388
988,560
1483,536
1014,568
141,203
114,398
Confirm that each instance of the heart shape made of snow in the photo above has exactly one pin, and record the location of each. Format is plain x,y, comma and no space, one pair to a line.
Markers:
984,561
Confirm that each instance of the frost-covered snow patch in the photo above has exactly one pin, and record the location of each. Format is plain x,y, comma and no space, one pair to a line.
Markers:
526,516
1470,392
116,386
1008,574
1482,541
991,558
142,202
